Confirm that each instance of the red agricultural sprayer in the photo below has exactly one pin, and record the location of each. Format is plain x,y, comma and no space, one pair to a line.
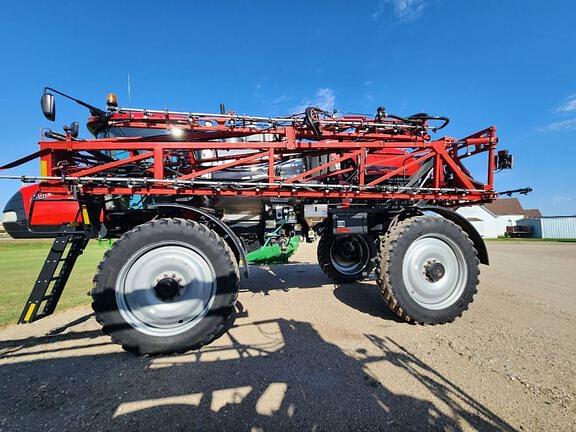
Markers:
194,197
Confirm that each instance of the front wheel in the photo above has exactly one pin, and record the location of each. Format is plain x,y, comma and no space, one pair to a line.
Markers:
428,270
166,286
346,258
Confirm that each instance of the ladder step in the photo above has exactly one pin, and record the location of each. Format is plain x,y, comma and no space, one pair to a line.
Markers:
44,290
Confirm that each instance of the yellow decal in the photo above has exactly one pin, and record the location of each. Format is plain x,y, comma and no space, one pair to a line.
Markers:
30,312
85,216
43,168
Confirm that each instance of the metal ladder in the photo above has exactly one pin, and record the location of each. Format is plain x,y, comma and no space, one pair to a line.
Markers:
48,287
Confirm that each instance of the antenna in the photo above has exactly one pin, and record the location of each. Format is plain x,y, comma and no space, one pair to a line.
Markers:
129,92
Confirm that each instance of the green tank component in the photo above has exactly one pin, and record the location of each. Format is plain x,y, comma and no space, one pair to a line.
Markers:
273,254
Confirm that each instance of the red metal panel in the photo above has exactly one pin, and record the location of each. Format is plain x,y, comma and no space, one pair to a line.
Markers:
324,166
401,169
101,168
159,162
236,162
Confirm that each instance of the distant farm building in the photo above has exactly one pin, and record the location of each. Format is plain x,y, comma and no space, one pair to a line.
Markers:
551,227
491,220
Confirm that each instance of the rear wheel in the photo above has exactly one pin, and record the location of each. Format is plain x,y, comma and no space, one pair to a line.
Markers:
428,270
346,258
166,286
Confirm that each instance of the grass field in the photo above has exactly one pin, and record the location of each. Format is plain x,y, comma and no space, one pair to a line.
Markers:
20,262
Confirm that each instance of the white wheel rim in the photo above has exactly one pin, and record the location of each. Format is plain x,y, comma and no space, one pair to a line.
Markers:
426,254
142,284
354,259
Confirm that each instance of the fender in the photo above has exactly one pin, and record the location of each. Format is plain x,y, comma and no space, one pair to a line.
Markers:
463,223
236,244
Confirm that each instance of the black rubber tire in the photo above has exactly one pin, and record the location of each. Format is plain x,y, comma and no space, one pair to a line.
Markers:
325,262
212,246
393,247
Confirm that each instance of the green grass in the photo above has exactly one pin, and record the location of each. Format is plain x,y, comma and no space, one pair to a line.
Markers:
20,262
508,239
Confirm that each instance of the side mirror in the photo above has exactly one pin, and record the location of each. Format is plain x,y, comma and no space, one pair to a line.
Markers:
48,106
74,129
503,160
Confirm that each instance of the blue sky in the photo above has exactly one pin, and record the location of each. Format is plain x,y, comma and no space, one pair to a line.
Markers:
506,63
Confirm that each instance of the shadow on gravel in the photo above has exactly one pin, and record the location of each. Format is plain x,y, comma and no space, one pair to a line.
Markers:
265,375
285,377
365,298
11,348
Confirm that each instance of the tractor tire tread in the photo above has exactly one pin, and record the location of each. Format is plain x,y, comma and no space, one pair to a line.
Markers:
153,224
388,243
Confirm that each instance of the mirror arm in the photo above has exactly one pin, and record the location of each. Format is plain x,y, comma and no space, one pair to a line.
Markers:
93,110
54,135
60,137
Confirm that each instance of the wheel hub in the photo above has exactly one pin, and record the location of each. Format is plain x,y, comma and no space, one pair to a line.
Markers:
348,250
350,255
434,271
167,289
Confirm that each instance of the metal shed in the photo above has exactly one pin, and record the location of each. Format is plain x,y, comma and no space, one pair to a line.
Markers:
556,227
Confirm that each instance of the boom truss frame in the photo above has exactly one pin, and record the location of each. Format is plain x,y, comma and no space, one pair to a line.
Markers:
67,165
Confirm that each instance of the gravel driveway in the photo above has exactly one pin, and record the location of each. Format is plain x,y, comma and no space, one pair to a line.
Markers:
304,354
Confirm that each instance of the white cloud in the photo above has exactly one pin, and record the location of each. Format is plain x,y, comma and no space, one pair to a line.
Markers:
404,10
561,199
559,126
568,105
324,98
280,99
